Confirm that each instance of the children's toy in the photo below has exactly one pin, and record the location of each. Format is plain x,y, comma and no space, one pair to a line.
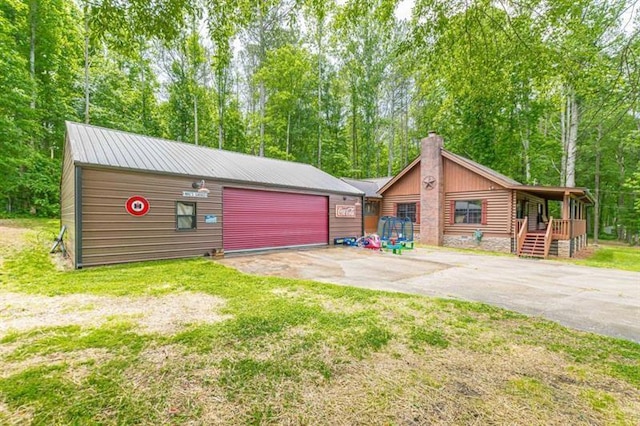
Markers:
345,241
400,229
371,242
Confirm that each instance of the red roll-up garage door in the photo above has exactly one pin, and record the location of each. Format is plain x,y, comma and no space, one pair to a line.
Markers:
253,219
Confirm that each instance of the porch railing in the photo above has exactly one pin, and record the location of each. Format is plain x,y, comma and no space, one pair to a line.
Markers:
564,229
521,233
548,237
579,227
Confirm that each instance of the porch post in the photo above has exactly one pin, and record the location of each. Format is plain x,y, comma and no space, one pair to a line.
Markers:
566,207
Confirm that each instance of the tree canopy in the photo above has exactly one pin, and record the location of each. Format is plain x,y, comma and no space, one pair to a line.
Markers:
546,92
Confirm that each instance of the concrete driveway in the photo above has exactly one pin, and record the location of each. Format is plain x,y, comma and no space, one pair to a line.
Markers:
604,301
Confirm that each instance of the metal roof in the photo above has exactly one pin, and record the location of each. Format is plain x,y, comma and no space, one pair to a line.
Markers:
369,186
92,145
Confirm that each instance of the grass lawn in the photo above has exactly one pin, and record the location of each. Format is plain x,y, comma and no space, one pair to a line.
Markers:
618,256
194,342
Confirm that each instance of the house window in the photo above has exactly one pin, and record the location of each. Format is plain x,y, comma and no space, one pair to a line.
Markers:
468,211
406,210
185,215
371,208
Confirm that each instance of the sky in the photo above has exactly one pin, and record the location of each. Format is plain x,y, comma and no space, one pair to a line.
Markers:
403,10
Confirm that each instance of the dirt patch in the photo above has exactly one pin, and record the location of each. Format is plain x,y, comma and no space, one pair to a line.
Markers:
288,264
74,358
165,314
22,416
10,236
11,239
585,253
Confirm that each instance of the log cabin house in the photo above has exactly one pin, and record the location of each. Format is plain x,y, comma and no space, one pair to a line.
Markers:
456,202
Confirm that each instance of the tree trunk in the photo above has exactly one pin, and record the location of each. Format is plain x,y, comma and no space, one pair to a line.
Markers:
319,41
143,84
596,207
33,13
393,130
263,96
288,131
569,128
195,118
222,89
262,89
354,130
86,61
527,158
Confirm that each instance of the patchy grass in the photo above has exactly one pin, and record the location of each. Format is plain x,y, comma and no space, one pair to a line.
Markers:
614,256
288,351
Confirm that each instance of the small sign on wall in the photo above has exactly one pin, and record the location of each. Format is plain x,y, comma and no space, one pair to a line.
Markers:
210,218
137,205
345,211
195,194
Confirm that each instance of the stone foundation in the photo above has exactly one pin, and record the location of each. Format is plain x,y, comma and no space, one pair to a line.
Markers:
500,244
564,248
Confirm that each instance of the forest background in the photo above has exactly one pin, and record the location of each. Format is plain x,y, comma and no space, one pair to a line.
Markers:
545,91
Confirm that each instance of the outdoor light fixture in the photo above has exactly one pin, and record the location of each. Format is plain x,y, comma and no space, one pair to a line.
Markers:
199,186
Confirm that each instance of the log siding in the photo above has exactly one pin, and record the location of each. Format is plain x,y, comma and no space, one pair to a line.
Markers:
496,211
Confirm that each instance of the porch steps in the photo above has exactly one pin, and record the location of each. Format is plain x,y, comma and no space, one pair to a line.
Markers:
533,245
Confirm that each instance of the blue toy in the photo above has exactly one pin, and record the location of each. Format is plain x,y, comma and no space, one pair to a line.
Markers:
398,230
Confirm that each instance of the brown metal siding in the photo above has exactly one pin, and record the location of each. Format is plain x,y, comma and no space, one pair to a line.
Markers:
67,201
344,226
458,179
111,235
498,214
389,205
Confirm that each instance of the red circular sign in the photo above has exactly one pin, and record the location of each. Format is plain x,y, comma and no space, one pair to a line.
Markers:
137,206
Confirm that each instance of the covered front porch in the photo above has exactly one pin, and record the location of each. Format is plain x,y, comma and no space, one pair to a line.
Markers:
551,221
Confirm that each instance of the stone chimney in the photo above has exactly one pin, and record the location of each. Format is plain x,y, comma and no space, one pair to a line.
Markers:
431,190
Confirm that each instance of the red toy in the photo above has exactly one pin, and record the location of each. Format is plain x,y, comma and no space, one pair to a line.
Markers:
372,242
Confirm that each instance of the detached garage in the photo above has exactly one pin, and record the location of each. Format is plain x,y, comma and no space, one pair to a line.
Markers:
127,197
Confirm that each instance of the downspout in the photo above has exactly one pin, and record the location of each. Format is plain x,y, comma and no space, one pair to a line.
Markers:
362,215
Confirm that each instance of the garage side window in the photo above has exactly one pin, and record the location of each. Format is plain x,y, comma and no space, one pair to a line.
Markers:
406,210
468,211
185,215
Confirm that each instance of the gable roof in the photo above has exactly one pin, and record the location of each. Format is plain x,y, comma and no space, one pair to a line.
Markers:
483,171
92,145
550,192
397,177
369,186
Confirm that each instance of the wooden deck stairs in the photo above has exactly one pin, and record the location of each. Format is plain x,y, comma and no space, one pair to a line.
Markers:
534,243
